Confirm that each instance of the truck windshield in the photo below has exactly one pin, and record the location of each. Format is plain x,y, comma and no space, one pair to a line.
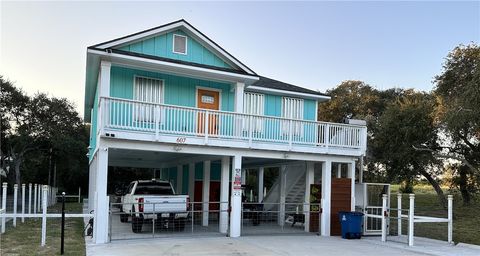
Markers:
154,188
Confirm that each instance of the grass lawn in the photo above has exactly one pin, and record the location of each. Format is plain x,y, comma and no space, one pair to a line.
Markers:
26,237
466,219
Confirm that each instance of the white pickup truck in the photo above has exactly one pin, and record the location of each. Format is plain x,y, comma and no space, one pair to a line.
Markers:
148,200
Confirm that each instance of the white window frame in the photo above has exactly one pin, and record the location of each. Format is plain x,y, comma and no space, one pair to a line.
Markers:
186,44
256,111
296,126
139,112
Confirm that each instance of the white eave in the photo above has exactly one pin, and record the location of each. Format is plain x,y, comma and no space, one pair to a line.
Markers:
288,93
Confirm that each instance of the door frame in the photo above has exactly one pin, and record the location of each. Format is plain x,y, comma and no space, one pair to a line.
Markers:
209,89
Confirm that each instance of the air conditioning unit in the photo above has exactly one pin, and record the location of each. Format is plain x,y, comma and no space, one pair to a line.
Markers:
356,121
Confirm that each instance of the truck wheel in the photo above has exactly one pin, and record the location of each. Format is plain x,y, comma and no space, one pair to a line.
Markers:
123,217
137,224
180,225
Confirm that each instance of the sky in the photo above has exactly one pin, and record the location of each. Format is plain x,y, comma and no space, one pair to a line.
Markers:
316,45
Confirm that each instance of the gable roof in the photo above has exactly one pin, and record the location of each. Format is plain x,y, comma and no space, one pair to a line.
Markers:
279,85
171,26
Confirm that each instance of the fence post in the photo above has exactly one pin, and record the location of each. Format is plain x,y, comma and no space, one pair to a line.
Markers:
35,198
15,205
4,205
39,201
411,216
62,236
384,218
23,203
44,214
79,193
29,198
399,214
450,218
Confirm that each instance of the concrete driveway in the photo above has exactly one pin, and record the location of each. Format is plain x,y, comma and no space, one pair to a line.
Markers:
277,245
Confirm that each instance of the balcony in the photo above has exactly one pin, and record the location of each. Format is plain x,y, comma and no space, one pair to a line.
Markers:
131,119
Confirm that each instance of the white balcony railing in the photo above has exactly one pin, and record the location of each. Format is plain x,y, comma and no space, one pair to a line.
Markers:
130,115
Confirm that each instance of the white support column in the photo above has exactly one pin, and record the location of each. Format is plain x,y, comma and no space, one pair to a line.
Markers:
309,177
180,179
411,216
29,198
261,173
206,192
91,183
224,189
450,218
191,182
351,175
283,181
339,170
100,233
399,214
15,205
23,202
44,214
35,189
4,204
236,197
326,197
384,217
238,107
244,177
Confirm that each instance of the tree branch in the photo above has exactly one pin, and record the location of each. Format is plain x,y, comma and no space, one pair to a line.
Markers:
447,156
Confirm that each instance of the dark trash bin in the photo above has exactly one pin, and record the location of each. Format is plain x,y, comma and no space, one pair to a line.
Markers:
351,223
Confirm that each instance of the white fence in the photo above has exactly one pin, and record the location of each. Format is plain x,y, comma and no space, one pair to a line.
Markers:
411,217
44,196
158,119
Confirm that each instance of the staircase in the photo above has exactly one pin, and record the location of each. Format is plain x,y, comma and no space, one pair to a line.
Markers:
294,190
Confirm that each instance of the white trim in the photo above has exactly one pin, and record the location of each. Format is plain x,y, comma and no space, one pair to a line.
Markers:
288,93
174,68
181,23
186,44
209,89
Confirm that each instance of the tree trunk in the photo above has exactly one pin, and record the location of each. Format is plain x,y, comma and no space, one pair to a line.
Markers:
17,171
463,184
436,186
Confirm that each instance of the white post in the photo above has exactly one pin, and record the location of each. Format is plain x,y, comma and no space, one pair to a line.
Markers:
261,173
179,179
339,170
79,194
244,176
44,214
351,175
399,214
101,205
238,107
283,181
310,172
35,198
206,192
4,204
39,194
236,197
450,218
326,197
384,217
191,182
15,205
224,182
411,216
23,203
29,198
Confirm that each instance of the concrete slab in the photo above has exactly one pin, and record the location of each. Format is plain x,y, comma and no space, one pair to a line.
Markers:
274,245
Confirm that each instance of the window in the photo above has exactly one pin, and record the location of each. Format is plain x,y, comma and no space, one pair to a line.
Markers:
292,108
179,44
253,103
147,90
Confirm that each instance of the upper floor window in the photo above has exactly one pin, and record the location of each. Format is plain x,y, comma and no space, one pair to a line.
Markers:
179,44
147,90
292,108
253,103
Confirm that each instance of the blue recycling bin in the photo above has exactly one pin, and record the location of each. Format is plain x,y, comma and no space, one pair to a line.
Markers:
351,223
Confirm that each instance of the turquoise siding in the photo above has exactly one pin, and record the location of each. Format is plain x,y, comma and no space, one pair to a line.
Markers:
178,90
309,109
162,46
214,171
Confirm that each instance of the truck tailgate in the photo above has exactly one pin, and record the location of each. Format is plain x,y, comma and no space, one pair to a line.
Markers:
168,204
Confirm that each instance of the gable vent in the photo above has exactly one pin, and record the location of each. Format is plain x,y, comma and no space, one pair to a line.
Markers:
179,44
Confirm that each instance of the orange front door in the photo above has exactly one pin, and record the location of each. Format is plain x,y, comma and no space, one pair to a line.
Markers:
208,99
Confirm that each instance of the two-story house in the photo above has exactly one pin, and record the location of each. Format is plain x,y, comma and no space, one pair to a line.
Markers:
171,98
